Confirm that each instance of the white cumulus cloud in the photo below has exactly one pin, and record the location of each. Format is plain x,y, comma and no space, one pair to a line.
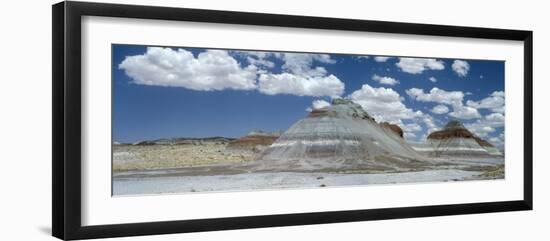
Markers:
286,83
429,122
381,58
302,64
495,102
301,77
257,58
440,109
461,67
409,135
209,70
464,112
385,80
318,104
437,95
487,124
498,141
411,127
418,65
495,119
433,79
384,104
219,70
453,98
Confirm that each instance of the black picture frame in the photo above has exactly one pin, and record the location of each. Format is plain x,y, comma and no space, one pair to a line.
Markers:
66,158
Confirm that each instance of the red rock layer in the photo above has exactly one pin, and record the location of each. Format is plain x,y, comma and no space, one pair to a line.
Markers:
393,127
448,133
252,140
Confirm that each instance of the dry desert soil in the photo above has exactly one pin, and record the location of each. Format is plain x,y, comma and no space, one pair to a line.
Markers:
147,157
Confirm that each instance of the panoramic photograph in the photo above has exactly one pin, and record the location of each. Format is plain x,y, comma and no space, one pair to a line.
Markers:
196,120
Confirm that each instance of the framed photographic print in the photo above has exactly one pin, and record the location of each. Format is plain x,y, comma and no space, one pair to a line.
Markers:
169,120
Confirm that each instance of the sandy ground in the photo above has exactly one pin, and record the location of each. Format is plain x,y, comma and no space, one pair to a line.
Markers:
130,157
259,181
158,169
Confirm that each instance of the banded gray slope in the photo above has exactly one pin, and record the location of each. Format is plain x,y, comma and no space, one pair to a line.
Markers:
340,136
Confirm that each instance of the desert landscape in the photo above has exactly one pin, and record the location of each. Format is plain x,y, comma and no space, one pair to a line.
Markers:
337,145
193,120
166,156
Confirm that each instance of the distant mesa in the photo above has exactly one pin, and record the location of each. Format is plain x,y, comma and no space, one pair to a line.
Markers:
455,140
342,135
144,143
255,141
185,141
453,129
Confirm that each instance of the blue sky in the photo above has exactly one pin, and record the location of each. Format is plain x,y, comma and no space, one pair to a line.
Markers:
193,92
